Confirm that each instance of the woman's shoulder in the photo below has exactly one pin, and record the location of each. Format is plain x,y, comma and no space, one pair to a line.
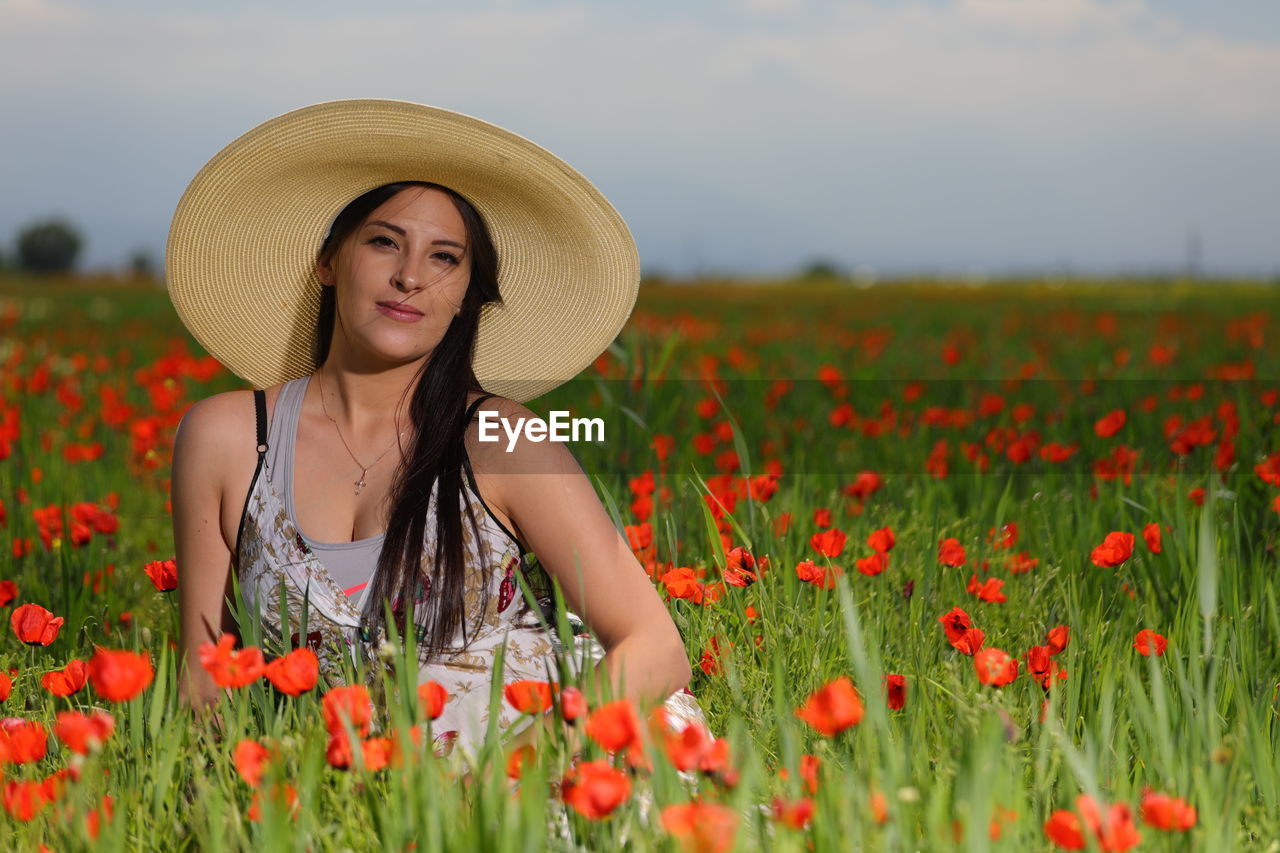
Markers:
223,420
498,440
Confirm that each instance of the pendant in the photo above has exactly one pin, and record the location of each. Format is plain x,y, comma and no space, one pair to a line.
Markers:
360,484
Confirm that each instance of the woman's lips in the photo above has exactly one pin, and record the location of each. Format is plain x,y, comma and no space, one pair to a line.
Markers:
401,312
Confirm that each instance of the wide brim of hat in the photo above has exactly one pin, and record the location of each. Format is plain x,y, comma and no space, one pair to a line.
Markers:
241,253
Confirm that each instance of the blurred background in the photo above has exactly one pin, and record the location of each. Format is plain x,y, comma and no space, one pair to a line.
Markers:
856,139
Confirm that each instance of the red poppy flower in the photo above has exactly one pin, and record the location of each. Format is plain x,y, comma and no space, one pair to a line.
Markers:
22,741
294,673
432,696
639,536
793,813
83,733
230,668
118,676
994,667
1057,639
781,524
701,827
1114,550
529,697
34,625
686,748
879,806
378,752
761,487
1162,811
716,764
163,574
822,518
960,631
988,590
1151,535
351,702
1042,667
1110,423
1007,539
68,680
1148,642
572,704
1063,828
286,794
6,686
683,582
874,564
739,567
251,760
8,590
615,726
1020,562
1115,832
866,484
94,819
809,766
828,543
710,662
896,691
951,552
595,788
520,758
823,577
882,539
24,800
833,707
338,751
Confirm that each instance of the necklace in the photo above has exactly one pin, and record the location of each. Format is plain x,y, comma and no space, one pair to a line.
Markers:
364,469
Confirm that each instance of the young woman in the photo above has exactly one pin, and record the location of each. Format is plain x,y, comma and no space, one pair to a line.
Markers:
386,271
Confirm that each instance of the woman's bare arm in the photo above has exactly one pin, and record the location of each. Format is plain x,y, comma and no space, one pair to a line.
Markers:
211,441
542,489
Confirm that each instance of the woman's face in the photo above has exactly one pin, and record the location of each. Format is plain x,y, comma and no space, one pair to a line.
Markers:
400,277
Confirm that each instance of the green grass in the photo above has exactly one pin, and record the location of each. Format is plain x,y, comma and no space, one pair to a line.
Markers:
1200,722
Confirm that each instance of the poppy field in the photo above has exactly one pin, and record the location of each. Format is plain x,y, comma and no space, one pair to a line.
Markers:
971,568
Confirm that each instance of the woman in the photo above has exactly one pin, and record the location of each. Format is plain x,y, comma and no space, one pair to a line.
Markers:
460,260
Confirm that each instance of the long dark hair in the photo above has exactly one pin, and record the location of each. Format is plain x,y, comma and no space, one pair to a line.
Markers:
434,459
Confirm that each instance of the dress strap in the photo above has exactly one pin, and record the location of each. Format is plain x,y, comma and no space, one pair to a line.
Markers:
260,409
260,412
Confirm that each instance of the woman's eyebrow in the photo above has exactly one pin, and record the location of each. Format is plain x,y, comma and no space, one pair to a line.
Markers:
401,232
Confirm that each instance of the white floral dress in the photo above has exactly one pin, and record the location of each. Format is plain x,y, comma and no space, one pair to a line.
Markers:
271,551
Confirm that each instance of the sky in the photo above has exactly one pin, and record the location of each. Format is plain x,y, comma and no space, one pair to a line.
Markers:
746,137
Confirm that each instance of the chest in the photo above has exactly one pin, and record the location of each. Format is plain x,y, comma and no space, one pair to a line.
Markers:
339,496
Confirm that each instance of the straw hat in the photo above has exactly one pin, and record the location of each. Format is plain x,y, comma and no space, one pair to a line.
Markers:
240,261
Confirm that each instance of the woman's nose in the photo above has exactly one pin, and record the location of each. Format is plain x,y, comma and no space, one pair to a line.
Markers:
411,275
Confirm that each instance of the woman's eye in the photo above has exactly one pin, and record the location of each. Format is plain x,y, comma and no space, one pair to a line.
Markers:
447,257
382,240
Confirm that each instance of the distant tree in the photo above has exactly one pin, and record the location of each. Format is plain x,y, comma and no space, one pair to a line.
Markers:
822,269
141,264
653,275
50,246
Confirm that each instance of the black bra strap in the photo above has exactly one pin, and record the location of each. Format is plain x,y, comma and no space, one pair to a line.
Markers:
471,410
260,406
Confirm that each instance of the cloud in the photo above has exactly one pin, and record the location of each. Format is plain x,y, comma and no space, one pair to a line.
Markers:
785,127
